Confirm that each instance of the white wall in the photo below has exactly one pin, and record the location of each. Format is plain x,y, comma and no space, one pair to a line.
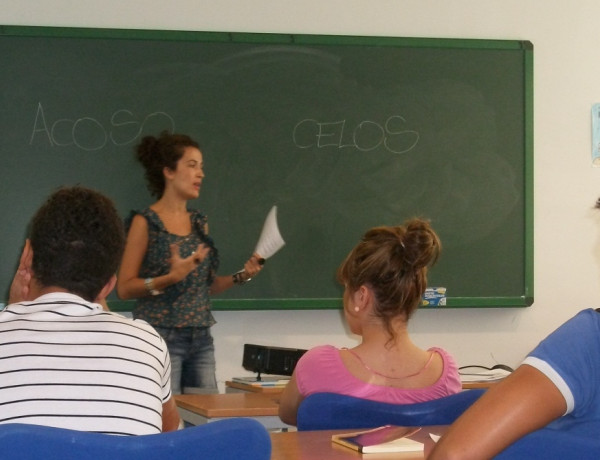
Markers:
566,82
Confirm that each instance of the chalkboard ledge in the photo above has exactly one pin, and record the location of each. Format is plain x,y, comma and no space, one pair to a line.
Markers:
335,304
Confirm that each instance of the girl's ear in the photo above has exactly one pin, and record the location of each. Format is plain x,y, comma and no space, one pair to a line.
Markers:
168,172
362,298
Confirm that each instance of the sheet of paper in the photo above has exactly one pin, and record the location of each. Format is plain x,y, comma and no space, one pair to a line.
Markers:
483,376
270,240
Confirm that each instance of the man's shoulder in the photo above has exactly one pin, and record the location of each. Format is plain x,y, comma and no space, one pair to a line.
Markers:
584,322
139,324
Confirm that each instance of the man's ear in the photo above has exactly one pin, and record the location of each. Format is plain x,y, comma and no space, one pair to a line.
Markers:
22,285
107,289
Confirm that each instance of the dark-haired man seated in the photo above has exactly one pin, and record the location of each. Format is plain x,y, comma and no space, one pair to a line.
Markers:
64,361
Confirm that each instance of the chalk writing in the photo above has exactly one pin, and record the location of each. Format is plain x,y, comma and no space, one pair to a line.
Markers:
89,134
367,135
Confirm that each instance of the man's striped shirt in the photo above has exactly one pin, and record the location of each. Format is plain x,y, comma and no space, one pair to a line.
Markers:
67,363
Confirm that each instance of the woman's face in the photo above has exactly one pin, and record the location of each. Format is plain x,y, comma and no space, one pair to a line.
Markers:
188,175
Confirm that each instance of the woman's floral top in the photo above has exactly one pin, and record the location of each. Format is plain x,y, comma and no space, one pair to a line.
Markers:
187,303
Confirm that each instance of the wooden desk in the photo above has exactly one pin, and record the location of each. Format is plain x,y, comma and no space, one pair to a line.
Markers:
472,385
317,445
198,409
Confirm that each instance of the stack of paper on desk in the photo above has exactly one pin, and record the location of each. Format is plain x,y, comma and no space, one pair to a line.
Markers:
483,376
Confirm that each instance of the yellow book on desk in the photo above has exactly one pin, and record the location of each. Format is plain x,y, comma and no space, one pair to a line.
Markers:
388,438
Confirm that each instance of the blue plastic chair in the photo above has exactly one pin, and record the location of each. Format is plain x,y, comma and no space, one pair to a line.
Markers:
329,411
557,443
231,439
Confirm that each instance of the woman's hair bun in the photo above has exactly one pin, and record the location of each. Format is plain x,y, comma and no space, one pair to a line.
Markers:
420,244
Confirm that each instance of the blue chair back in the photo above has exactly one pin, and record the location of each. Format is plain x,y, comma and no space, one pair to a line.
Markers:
329,411
230,439
580,441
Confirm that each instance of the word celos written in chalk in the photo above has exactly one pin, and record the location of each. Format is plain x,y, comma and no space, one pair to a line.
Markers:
393,135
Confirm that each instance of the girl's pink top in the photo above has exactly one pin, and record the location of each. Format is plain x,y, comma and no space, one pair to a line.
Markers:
321,370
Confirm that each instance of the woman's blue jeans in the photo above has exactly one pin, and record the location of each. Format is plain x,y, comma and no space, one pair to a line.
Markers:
192,353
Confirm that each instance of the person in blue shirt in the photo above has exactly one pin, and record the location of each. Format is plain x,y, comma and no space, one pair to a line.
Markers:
555,386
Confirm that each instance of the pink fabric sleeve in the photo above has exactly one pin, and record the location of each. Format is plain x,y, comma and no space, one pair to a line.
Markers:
321,369
316,368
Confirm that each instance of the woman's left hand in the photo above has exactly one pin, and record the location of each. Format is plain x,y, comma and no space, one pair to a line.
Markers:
251,268
253,265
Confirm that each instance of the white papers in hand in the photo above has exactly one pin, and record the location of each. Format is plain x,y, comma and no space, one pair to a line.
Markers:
270,240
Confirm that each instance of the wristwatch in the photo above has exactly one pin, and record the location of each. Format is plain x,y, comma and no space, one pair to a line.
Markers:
238,278
150,289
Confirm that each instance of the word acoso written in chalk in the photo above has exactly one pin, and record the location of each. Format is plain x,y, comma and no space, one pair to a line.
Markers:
90,134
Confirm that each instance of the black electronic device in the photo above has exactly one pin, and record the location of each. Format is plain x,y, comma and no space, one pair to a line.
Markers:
270,360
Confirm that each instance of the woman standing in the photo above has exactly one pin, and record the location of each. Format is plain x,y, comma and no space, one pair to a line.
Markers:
170,263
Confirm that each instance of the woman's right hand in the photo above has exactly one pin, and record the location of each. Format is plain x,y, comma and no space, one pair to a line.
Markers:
183,266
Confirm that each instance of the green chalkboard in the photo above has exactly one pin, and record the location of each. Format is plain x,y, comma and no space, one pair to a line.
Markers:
341,133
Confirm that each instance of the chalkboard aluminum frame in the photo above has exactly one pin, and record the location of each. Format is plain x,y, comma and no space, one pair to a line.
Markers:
526,299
